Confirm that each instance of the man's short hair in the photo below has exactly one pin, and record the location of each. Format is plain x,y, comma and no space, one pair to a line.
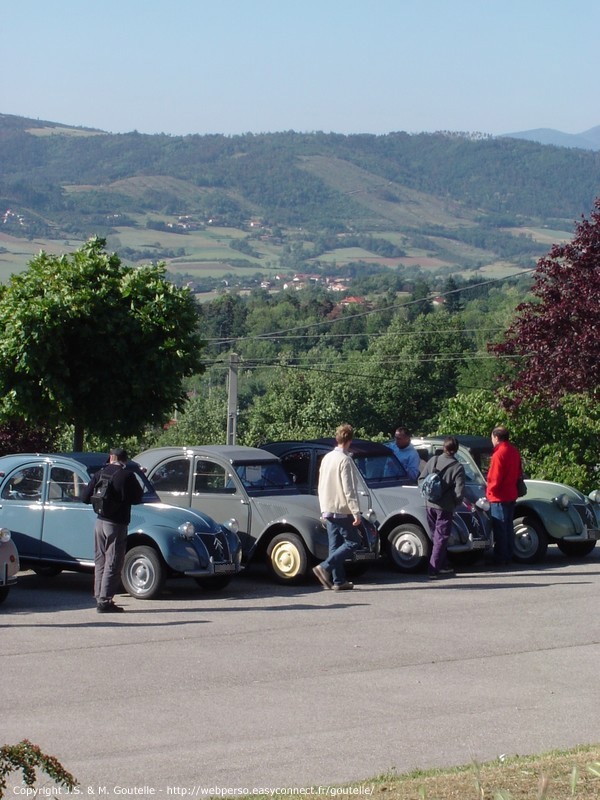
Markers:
119,453
344,433
501,433
403,431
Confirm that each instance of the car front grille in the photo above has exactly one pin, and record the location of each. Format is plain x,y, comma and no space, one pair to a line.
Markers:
216,546
587,515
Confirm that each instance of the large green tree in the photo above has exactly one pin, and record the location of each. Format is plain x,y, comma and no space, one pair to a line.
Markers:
89,342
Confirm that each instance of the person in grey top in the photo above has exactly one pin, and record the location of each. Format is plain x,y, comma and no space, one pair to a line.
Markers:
439,515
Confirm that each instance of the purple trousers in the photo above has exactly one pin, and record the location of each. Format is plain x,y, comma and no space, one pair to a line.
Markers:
440,525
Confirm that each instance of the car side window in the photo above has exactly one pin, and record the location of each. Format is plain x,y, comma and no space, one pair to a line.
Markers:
25,484
65,486
212,478
297,466
172,476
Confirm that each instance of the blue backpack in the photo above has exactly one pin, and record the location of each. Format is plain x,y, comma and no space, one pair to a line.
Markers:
432,487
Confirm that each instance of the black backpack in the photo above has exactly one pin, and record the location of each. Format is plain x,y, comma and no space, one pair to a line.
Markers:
433,487
104,497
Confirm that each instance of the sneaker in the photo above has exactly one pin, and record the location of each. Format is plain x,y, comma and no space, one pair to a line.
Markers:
109,608
323,576
343,587
433,576
446,571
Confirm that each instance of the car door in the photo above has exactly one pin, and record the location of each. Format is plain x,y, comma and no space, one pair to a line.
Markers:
299,466
22,508
218,491
68,526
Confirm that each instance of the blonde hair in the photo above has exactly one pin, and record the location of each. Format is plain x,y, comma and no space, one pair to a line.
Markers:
344,433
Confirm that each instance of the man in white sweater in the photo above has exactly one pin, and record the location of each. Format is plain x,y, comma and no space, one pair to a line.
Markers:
338,499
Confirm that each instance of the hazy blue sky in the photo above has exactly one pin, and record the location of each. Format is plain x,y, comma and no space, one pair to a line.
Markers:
350,66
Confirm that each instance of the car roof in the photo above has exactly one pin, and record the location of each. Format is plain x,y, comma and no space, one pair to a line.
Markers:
470,442
13,459
235,454
361,447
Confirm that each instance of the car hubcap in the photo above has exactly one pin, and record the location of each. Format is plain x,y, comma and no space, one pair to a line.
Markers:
141,575
285,559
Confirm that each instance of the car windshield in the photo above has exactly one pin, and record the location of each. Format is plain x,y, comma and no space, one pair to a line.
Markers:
380,468
263,476
472,471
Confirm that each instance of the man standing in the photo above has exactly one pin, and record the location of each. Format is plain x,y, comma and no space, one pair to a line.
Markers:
338,499
405,452
441,511
503,474
110,533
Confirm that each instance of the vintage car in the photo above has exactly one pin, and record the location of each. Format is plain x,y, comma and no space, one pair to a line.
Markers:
550,513
40,502
276,522
396,501
9,563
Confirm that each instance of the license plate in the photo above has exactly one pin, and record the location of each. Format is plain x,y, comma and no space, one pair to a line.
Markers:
593,533
365,556
479,544
224,568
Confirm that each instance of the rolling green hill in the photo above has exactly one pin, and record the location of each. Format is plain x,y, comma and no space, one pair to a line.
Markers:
289,201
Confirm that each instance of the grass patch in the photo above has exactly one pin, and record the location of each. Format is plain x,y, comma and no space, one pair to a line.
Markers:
558,775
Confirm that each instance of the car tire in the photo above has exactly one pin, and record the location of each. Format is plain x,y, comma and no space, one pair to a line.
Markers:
47,571
287,559
3,593
215,584
408,548
143,573
576,549
530,541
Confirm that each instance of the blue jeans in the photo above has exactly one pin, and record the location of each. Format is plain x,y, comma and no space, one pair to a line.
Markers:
344,539
504,535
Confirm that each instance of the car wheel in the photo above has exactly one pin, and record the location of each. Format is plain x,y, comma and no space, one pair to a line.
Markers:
47,571
143,574
408,547
287,559
576,549
3,593
214,584
531,541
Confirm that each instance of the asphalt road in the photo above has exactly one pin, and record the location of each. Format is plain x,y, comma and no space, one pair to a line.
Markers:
272,687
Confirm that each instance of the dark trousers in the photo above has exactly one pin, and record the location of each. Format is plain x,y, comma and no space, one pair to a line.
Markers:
109,553
344,539
504,535
440,525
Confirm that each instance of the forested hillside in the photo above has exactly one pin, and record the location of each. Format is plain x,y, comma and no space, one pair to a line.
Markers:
464,200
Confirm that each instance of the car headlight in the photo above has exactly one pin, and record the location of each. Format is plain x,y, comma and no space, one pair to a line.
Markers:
483,503
595,496
187,530
371,516
562,501
232,525
5,535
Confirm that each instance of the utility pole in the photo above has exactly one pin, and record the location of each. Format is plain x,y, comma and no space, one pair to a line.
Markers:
232,399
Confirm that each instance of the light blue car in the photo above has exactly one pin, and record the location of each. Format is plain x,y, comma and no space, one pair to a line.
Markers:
40,502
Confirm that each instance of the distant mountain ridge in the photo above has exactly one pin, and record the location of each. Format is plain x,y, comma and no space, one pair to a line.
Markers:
587,140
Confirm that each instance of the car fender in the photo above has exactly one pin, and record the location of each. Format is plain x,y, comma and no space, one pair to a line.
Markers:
557,522
312,532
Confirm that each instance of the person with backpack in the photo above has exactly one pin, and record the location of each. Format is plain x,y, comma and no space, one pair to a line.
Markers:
112,491
442,483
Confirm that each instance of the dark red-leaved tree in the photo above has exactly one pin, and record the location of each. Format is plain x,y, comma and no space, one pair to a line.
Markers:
556,337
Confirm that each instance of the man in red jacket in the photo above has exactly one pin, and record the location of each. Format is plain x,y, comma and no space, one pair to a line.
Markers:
504,472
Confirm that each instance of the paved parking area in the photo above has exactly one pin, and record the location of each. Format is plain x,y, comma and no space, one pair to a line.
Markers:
263,686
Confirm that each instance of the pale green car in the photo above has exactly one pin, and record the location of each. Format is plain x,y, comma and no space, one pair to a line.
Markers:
550,513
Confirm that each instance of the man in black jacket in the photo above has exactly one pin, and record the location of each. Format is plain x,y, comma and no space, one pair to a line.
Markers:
110,532
440,513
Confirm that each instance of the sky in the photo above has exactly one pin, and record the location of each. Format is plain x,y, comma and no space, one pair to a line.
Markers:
348,66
